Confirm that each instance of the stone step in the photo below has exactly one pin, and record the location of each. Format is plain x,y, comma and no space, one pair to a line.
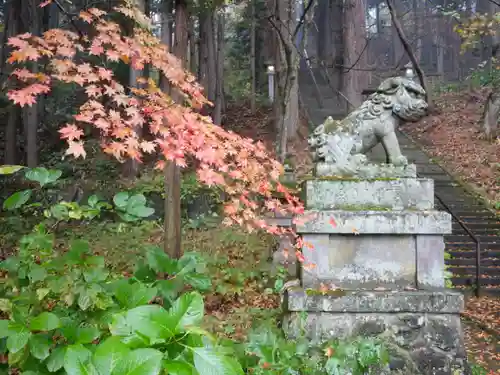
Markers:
472,262
329,194
470,280
464,270
376,222
471,254
484,240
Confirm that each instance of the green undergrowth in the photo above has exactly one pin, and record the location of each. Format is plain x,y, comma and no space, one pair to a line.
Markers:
242,289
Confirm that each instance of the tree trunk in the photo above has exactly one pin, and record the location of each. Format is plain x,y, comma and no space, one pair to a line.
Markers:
166,35
208,57
253,92
131,167
12,13
219,101
491,115
286,102
30,114
172,219
193,45
355,43
11,135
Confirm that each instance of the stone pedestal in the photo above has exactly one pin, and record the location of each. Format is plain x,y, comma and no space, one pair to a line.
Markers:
377,245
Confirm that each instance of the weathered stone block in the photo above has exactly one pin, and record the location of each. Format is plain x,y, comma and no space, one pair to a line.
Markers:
437,302
421,330
369,261
430,261
375,222
366,261
369,171
397,194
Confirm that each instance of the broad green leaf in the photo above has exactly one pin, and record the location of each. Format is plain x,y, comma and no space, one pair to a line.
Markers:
178,367
95,275
93,200
42,175
17,200
37,273
77,250
136,200
84,300
159,261
170,289
77,361
40,346
4,328
141,362
85,335
209,362
133,295
59,211
127,217
140,211
42,293
19,356
199,281
142,272
186,311
9,169
56,359
121,199
11,264
46,321
18,340
109,355
150,321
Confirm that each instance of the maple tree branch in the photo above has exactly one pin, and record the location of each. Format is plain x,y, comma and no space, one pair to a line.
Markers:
70,16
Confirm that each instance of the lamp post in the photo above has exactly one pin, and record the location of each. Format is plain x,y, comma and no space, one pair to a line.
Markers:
270,80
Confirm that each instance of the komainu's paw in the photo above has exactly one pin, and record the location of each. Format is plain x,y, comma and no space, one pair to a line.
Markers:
400,160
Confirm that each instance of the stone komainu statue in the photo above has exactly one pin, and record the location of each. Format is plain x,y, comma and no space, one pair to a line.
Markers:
345,142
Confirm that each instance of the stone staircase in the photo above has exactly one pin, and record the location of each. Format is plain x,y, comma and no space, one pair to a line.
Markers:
477,222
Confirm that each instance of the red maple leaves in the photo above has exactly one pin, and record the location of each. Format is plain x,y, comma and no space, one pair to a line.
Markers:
242,167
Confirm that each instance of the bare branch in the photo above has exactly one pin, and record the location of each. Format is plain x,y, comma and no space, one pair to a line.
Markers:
302,18
408,49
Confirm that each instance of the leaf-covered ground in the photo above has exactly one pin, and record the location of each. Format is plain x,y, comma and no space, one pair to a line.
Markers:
483,345
453,137
485,311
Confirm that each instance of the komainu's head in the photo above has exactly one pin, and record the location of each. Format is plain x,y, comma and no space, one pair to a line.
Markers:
405,97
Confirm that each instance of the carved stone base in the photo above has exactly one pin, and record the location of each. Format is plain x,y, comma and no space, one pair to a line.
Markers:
367,171
421,330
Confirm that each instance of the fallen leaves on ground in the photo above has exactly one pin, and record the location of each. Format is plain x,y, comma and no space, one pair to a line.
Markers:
484,310
483,348
453,135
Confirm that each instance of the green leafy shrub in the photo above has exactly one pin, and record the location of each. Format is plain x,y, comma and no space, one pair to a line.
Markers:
128,207
67,313
270,352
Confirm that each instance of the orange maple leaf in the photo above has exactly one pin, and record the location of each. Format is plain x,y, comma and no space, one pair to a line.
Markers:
71,132
76,149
